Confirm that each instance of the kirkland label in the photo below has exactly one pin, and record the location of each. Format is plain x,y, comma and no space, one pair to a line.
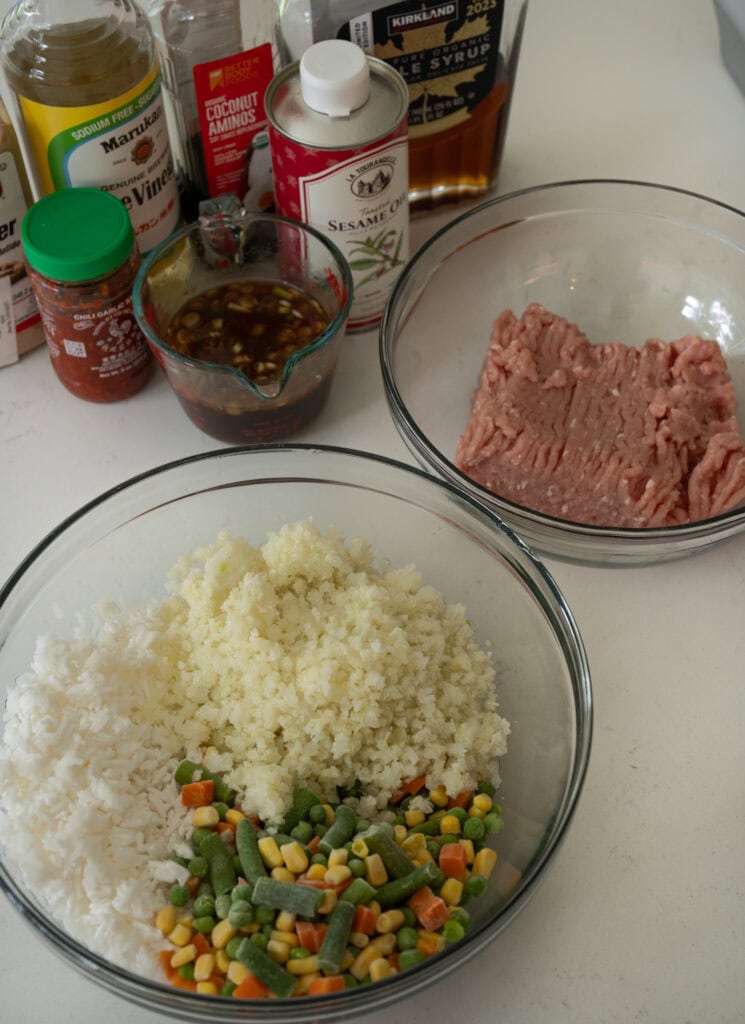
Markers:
120,146
230,99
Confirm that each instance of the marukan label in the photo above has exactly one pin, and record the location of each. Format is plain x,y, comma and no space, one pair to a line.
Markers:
230,98
359,199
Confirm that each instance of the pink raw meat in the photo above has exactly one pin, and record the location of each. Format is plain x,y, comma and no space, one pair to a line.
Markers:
604,434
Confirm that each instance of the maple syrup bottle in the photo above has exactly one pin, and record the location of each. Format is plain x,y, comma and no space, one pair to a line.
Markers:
459,60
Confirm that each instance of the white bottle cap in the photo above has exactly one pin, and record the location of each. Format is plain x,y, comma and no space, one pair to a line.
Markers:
334,77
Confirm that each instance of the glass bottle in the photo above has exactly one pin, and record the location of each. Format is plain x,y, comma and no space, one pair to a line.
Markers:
217,58
85,79
459,60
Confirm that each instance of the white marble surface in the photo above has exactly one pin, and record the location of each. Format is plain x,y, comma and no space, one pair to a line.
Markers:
643,916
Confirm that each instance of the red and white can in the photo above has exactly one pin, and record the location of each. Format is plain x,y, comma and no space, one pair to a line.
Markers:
338,136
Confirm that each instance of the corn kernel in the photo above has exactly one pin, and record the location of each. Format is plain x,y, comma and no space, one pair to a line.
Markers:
250,929
375,870
400,833
317,872
165,922
233,816
346,961
204,965
270,852
381,946
329,901
414,818
358,939
439,796
206,988
449,825
237,972
483,801
390,921
430,943
416,841
380,969
467,845
306,965
295,857
222,961
285,921
338,874
181,935
222,933
329,814
185,955
205,817
283,874
278,951
451,891
340,856
476,812
375,907
359,848
304,982
484,861
289,937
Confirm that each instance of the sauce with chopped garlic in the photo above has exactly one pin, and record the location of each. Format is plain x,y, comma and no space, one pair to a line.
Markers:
254,326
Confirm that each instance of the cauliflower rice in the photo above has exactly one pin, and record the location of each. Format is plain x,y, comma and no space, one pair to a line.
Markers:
298,663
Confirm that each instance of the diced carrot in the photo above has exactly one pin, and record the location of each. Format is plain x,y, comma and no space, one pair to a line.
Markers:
313,844
431,911
251,988
364,920
393,961
201,942
165,962
321,883
462,799
179,982
192,884
310,935
198,794
218,980
452,861
408,788
428,944
322,986
225,826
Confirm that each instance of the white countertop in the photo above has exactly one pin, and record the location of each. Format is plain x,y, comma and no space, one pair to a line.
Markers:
643,916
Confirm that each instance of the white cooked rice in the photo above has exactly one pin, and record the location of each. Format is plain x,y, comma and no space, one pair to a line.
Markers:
297,663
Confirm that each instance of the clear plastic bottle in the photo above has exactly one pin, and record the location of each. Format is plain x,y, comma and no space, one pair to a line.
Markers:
459,61
85,79
217,58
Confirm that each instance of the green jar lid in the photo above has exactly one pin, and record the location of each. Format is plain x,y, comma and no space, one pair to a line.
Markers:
77,234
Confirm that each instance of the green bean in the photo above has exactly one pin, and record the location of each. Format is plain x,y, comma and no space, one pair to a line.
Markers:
290,896
223,903
430,827
379,841
220,860
400,889
247,847
334,943
357,892
276,978
198,867
302,801
184,774
340,831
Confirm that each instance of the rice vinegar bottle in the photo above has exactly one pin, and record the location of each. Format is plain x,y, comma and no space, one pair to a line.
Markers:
86,83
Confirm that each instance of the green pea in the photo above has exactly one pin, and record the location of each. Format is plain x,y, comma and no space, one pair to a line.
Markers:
265,915
241,913
204,906
493,821
453,930
357,866
199,867
260,940
459,813
222,809
299,953
181,861
319,858
204,925
399,820
484,786
350,981
406,937
178,895
267,929
317,814
444,840
197,836
232,946
409,958
223,904
241,892
439,880
433,848
409,916
474,828
228,988
461,915
186,971
320,830
303,832
474,885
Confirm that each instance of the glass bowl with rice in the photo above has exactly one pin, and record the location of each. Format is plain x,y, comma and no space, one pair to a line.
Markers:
284,674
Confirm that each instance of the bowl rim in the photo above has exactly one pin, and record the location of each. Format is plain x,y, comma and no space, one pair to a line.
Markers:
418,442
337,1006
334,329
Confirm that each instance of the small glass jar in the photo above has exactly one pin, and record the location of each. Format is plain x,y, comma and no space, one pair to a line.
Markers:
82,257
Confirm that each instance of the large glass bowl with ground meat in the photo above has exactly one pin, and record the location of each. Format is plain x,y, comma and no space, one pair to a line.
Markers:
573,356
120,547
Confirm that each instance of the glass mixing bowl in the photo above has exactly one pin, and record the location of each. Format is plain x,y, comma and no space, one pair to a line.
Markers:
625,261
120,547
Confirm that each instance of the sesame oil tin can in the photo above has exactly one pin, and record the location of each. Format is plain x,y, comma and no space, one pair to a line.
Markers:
338,134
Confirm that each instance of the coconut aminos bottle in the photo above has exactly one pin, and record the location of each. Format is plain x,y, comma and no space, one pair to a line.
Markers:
86,84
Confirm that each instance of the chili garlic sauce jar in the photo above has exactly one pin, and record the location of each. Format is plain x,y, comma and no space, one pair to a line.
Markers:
338,137
82,257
